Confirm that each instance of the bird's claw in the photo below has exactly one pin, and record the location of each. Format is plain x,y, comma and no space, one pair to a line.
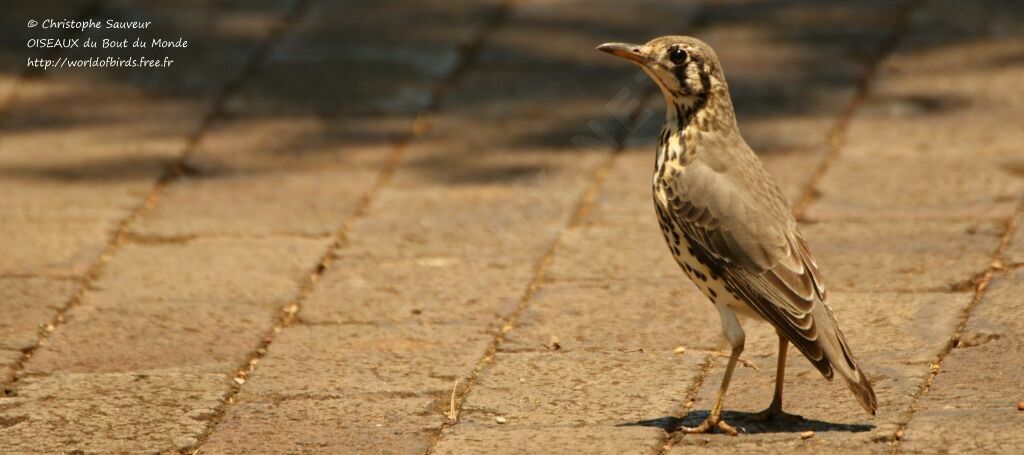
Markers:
709,425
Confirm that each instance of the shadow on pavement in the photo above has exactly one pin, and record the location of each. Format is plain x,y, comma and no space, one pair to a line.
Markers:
747,423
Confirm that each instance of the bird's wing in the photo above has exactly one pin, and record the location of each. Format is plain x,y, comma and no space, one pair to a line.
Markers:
748,236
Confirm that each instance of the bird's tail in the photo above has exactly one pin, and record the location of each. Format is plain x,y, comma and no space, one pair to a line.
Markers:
861,388
839,355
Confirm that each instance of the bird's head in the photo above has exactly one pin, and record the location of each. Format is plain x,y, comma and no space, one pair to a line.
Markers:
686,69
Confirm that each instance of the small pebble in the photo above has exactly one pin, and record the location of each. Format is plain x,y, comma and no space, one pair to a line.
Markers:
679,351
553,344
1020,406
807,435
500,419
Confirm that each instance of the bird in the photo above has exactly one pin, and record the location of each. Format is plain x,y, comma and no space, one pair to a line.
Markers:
730,228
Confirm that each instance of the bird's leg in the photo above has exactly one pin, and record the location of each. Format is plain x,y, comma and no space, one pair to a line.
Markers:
775,408
780,377
733,332
714,420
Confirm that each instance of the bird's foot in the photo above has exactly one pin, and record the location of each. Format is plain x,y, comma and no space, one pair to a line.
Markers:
774,414
709,425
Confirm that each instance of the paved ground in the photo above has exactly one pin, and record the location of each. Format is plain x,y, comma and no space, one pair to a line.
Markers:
424,227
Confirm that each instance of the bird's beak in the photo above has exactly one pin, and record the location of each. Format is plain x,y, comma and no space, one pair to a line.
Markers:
624,50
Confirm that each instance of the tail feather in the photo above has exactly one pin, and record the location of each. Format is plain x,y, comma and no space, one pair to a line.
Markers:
839,355
861,388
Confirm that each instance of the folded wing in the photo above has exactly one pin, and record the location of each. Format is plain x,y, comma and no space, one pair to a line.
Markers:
749,237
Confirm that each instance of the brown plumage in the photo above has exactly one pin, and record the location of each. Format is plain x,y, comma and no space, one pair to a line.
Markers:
728,224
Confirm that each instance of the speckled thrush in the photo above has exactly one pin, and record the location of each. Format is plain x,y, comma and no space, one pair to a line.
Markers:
729,226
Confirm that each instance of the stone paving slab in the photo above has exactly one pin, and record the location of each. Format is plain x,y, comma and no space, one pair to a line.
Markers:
903,255
951,189
433,290
371,424
615,316
338,360
57,249
106,336
120,412
272,204
254,145
965,431
1014,253
581,388
476,438
794,444
259,271
625,196
784,441
274,175
470,222
451,159
584,255
70,199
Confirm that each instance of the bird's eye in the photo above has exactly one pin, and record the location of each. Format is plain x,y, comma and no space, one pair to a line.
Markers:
677,55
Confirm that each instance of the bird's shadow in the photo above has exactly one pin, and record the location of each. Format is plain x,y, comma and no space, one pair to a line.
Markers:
746,422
